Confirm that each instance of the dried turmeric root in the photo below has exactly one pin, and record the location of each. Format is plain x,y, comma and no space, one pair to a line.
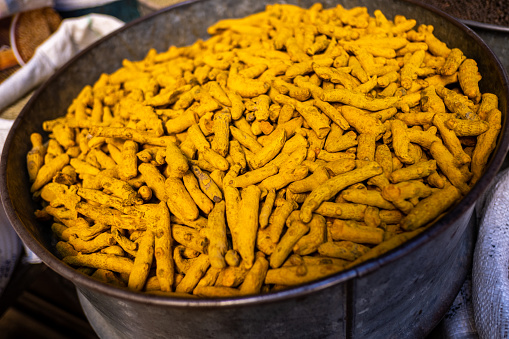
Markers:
291,145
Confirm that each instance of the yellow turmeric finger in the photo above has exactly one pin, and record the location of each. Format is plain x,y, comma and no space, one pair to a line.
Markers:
207,185
129,166
126,244
335,184
165,267
450,139
142,262
315,90
351,231
216,292
125,133
366,147
220,143
279,216
254,279
358,100
154,180
203,146
245,139
469,77
315,237
366,197
104,261
335,76
209,279
448,165
285,246
216,234
319,176
400,141
179,201
266,209
341,210
316,120
145,193
237,107
282,179
296,275
456,103
101,198
104,160
263,242
89,233
232,199
194,274
64,135
35,157
409,69
452,62
119,188
200,198
357,70
101,241
231,276
403,194
232,258
184,258
342,249
372,217
416,171
430,208
466,128
247,218
488,102
109,216
485,144
48,171
341,143
64,249
363,123
247,88
435,46
190,238
176,160
290,163
268,152
255,176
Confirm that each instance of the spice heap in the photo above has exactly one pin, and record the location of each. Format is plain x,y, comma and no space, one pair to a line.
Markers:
293,144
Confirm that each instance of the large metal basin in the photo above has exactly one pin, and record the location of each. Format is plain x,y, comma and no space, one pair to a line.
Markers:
402,294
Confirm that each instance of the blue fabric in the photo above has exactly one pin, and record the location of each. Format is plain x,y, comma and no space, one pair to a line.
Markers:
125,10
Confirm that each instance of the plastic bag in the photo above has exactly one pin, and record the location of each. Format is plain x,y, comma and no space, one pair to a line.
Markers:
490,281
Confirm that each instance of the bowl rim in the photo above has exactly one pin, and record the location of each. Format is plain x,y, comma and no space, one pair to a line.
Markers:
82,281
485,26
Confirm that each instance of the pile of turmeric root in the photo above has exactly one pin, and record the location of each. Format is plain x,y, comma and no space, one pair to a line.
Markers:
291,145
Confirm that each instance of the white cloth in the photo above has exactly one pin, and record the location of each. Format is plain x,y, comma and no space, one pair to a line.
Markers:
490,271
10,245
72,36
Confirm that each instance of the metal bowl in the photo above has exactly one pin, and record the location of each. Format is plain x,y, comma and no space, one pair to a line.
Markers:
402,294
